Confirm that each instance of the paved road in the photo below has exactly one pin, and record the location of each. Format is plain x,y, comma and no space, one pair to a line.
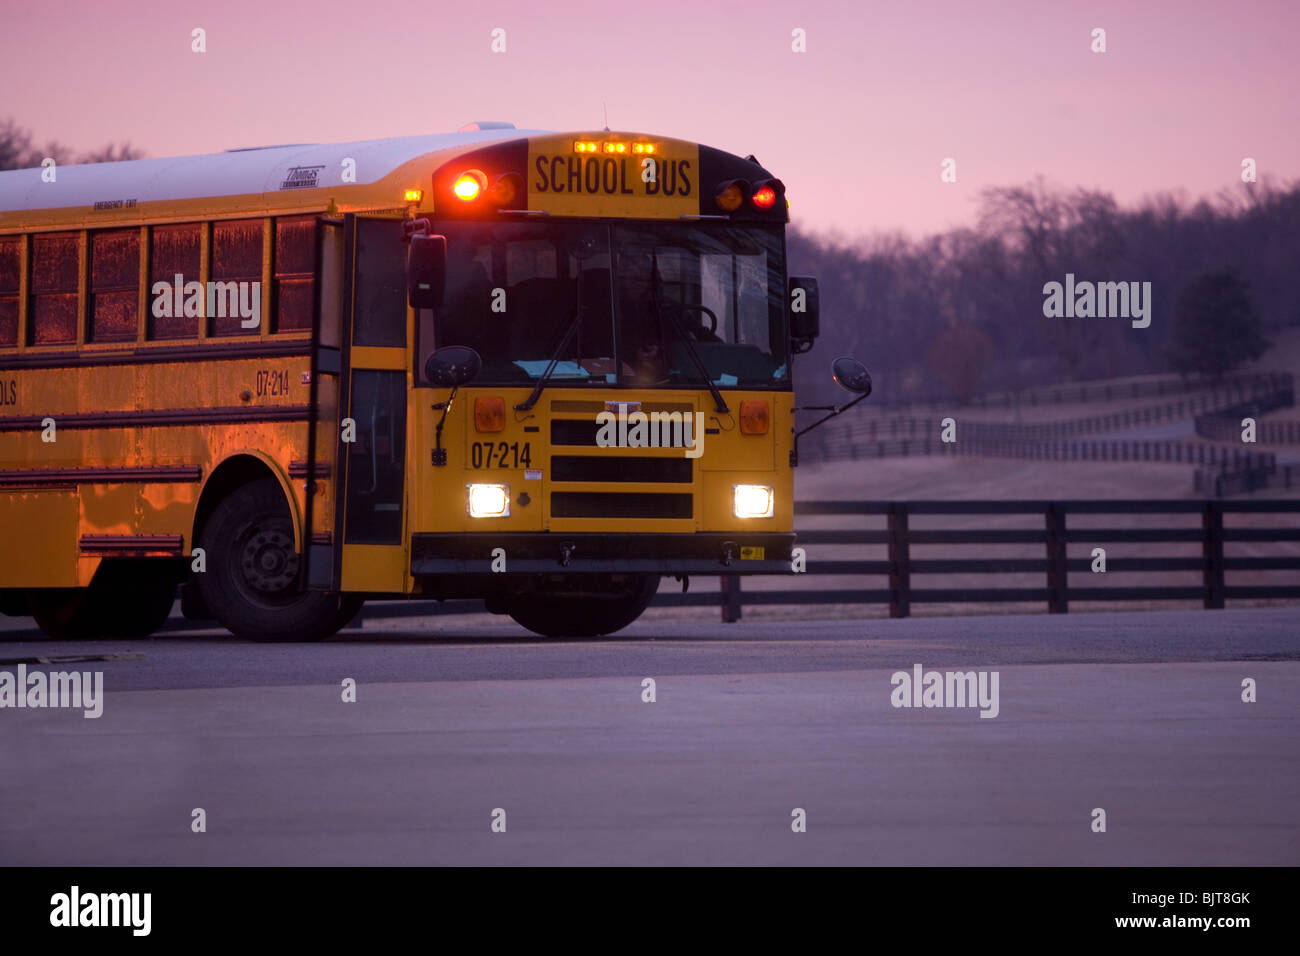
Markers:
1137,713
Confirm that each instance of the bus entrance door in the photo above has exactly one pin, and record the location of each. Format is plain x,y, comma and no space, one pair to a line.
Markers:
372,426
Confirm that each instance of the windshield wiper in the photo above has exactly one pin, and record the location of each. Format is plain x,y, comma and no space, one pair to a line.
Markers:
528,403
719,405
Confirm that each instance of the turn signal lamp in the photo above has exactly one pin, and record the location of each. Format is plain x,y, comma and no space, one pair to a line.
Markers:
754,418
490,413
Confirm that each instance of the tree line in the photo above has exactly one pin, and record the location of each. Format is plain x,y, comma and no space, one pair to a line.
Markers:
955,314
18,150
951,315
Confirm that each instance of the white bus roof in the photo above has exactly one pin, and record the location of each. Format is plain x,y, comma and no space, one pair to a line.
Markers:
237,172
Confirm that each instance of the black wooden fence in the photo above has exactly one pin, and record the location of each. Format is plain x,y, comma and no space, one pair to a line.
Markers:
889,581
1055,536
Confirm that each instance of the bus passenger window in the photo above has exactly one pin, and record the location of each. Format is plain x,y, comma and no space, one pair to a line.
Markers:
236,257
295,272
11,251
173,251
114,285
56,260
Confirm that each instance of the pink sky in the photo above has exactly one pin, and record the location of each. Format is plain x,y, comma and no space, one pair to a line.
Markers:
856,127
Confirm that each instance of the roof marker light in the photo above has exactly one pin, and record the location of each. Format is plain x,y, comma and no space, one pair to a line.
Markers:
764,196
506,189
469,185
730,194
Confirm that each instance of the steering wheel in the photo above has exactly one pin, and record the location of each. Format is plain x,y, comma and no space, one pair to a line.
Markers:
698,332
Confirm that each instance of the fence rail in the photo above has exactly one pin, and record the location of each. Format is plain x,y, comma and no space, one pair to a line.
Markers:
893,575
899,436
1234,459
1222,482
1252,396
1106,390
1225,425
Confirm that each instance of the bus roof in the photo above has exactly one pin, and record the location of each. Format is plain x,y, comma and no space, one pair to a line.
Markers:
240,172
635,176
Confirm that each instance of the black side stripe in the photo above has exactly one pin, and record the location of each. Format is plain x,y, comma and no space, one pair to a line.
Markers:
66,477
197,352
223,415
132,543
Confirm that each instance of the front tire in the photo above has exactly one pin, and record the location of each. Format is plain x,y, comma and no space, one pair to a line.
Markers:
593,607
251,582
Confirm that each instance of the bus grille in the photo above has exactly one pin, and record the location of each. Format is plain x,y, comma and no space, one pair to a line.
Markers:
598,468
672,468
613,504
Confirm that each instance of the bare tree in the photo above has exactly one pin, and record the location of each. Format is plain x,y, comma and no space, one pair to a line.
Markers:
17,151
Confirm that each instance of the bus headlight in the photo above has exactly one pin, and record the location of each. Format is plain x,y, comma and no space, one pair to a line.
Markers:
489,501
752,501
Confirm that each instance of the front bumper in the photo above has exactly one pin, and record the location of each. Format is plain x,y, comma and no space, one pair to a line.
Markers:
708,552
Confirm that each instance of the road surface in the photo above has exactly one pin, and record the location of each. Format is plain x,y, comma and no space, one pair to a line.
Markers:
457,719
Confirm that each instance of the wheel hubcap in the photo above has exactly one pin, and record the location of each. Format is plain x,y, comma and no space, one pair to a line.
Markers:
269,561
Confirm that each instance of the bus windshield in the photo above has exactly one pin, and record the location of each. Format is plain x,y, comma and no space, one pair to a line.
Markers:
644,297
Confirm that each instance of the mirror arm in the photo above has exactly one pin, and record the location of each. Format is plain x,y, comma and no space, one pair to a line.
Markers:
835,410
439,454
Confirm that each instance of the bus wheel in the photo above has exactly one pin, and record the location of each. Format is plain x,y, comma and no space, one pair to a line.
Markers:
251,581
126,599
65,614
600,606
135,598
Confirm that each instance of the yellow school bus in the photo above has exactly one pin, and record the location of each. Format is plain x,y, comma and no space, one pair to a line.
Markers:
540,369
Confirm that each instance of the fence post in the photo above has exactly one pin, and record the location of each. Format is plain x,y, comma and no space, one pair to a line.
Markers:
1057,567
900,572
1212,551
730,584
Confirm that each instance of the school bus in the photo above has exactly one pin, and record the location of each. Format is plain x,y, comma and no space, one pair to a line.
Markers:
541,369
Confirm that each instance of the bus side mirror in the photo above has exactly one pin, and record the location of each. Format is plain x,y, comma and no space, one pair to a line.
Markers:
851,375
805,313
426,271
452,366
